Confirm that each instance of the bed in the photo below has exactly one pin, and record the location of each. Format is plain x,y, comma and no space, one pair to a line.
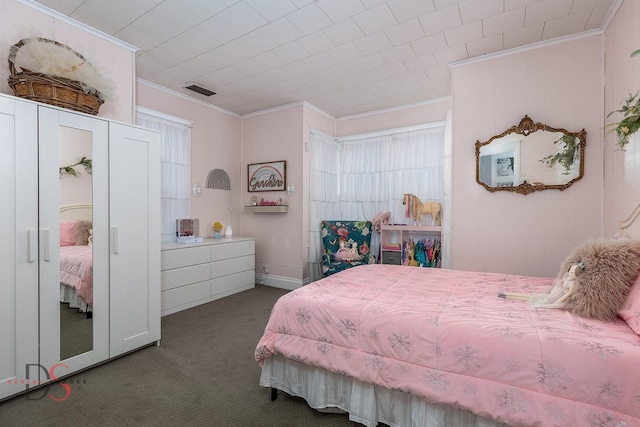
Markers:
76,259
434,347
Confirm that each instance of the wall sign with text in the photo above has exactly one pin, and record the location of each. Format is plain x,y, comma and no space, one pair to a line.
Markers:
268,176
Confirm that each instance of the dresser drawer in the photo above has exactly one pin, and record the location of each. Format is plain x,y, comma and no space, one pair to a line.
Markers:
232,250
185,297
231,266
183,257
178,277
233,283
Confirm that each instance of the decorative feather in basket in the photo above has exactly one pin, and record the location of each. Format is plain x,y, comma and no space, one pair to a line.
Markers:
53,73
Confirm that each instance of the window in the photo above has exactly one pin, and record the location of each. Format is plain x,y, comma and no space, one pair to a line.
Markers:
175,167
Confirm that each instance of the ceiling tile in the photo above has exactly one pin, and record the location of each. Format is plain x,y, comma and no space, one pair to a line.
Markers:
309,19
398,53
420,62
338,10
405,32
280,31
441,20
218,31
235,51
472,10
371,4
443,4
394,70
557,27
345,53
291,52
405,10
345,69
343,32
463,34
517,4
505,22
145,35
256,42
182,15
584,5
373,43
429,44
522,36
546,9
376,19
242,17
447,56
114,15
315,43
484,46
272,9
184,46
370,62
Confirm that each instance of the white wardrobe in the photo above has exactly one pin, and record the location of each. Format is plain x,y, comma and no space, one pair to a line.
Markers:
43,338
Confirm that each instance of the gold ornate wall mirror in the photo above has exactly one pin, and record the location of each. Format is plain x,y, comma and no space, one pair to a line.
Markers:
530,157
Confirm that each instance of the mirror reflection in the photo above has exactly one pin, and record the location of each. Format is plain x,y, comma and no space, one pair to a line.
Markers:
76,242
530,157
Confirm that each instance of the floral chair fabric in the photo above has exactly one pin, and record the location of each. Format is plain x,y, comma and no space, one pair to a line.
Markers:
345,244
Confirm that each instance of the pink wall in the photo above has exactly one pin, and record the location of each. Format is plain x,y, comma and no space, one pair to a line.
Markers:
622,168
272,136
215,144
114,60
560,85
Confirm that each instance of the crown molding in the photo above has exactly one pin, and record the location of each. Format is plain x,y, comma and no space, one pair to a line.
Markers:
84,27
525,48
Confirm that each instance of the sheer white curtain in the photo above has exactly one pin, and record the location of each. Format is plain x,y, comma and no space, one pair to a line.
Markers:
372,175
324,165
175,167
377,171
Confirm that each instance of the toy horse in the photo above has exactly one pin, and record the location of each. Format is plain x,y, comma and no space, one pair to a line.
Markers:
417,209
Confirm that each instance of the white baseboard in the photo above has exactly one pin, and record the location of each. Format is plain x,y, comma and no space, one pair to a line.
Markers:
279,281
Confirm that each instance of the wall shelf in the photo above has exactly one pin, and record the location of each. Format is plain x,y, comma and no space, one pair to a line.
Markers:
261,209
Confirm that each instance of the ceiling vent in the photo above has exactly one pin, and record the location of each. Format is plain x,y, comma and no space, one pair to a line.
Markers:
197,88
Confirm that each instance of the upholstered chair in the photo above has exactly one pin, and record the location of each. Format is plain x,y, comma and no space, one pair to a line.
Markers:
346,244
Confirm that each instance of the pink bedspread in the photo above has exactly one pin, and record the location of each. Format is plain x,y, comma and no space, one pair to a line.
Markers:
446,336
76,270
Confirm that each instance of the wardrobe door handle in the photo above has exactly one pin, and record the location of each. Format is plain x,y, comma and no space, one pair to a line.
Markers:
45,244
114,239
31,245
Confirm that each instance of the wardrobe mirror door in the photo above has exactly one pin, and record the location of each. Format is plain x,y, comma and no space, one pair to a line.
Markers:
76,242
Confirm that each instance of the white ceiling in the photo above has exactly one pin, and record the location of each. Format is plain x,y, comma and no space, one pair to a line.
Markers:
345,57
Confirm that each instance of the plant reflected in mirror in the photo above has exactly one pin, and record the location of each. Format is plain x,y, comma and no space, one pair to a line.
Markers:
530,156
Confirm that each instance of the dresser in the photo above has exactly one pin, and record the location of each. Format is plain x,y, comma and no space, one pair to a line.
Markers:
197,273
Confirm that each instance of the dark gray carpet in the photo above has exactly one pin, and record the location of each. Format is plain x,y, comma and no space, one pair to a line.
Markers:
203,373
76,332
